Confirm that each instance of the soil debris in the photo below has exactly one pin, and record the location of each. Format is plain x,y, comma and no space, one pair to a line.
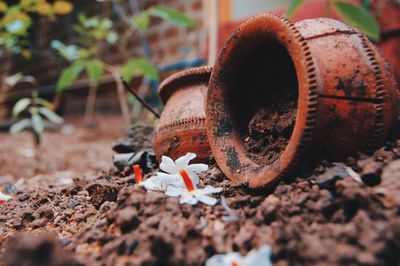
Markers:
101,192
42,250
139,137
269,131
322,218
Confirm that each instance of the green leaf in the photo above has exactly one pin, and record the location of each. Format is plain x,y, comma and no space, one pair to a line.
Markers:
51,116
44,103
138,67
20,106
106,24
19,78
69,52
112,37
366,3
294,5
141,22
68,76
172,15
37,123
360,18
20,125
94,68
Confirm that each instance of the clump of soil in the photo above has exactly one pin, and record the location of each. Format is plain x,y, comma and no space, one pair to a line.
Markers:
269,131
139,137
27,250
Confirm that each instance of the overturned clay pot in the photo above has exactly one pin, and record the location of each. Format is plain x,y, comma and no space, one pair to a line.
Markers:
182,124
279,92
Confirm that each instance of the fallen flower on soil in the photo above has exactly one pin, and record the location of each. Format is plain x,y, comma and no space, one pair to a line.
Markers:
190,194
260,257
182,163
4,197
160,182
172,177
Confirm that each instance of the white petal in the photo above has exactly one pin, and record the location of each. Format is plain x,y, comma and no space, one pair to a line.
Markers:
152,183
174,191
206,199
197,167
261,257
183,161
223,260
188,198
194,177
210,190
4,197
168,165
168,179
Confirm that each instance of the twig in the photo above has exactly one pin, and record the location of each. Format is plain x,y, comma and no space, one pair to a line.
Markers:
145,104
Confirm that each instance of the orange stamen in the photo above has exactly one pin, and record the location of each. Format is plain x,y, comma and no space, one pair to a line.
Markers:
234,264
138,173
186,179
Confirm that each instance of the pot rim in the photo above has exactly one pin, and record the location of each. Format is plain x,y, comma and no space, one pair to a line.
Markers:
175,81
229,150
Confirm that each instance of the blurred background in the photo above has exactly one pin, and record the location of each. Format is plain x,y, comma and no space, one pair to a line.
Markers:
62,63
169,45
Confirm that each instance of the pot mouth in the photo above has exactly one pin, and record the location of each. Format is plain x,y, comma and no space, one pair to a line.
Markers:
265,61
192,75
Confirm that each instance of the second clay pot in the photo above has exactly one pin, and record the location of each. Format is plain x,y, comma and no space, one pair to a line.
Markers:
182,126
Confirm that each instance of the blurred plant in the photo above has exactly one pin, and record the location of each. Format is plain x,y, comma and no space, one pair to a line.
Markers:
356,15
85,56
38,110
16,20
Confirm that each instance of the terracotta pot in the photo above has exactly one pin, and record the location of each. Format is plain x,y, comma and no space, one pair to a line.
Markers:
182,123
387,12
341,89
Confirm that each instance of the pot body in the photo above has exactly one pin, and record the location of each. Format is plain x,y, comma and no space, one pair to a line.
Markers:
347,98
387,13
182,123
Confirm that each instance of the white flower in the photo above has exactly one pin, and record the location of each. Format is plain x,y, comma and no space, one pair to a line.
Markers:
160,182
172,177
182,163
190,194
260,257
194,196
4,197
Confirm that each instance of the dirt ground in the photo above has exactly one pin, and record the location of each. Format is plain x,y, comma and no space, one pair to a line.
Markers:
343,213
75,151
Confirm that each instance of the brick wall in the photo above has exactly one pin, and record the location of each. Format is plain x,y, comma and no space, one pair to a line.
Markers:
168,43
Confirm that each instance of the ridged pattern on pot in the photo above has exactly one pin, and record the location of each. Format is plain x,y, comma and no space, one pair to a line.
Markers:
182,123
226,148
177,80
347,96
378,130
312,99
356,83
